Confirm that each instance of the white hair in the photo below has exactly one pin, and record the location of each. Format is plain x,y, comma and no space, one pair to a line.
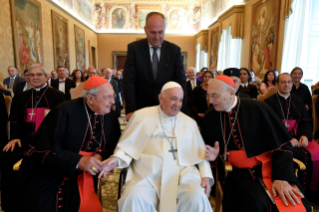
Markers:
92,91
38,66
195,71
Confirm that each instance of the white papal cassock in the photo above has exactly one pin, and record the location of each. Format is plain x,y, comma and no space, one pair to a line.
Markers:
155,181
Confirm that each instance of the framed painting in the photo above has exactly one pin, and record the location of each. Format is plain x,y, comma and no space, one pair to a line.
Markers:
142,12
119,18
60,41
27,32
264,36
80,52
214,49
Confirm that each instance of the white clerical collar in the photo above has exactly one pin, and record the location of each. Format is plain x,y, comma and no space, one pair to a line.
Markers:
150,46
233,105
38,89
244,85
283,96
163,115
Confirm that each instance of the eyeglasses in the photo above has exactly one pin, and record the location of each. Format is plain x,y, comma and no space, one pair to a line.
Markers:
107,98
214,95
37,74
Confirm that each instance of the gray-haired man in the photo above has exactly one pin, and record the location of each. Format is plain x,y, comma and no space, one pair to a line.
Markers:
27,112
59,173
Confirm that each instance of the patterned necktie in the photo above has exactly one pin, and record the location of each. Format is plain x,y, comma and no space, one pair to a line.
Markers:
11,83
155,62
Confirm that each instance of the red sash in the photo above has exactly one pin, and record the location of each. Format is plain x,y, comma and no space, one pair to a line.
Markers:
313,148
89,200
37,116
239,160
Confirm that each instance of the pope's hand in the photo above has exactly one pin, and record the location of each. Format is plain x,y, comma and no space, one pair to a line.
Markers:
205,184
284,189
12,144
90,164
108,165
212,152
128,116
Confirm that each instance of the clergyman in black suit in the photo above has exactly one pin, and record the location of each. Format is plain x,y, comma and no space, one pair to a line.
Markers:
13,79
63,83
190,85
145,73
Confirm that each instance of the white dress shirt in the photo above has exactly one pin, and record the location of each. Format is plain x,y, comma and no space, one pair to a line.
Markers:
62,85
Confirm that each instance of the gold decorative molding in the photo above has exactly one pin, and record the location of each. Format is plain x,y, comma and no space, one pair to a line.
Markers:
202,38
287,8
233,17
153,1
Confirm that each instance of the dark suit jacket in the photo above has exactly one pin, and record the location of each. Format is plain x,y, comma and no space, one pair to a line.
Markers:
68,85
19,88
139,87
17,80
117,103
190,111
5,92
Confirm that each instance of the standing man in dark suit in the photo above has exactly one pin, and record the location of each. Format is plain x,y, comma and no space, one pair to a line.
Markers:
145,73
23,86
63,83
114,83
13,79
190,85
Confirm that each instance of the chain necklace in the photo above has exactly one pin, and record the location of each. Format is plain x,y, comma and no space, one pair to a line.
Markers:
172,150
283,114
87,113
231,130
32,112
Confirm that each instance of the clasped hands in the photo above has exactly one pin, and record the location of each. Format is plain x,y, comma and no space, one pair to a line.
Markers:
303,142
94,164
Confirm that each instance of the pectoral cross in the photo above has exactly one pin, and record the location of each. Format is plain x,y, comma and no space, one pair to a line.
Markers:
226,153
31,115
286,124
173,151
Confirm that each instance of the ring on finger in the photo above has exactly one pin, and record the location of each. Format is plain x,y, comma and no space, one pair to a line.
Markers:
8,144
93,168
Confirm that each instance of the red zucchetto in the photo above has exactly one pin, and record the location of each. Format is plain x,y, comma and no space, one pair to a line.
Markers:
94,82
226,79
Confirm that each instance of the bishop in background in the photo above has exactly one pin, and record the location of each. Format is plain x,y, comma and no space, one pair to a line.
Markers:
161,147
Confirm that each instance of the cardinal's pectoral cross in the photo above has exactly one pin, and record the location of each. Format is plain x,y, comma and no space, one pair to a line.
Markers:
31,115
172,150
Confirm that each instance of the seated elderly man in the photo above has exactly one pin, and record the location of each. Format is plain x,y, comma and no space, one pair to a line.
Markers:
254,140
162,147
59,174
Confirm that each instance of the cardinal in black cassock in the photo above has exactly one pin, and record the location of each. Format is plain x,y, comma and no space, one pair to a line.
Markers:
292,111
28,110
258,147
59,174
